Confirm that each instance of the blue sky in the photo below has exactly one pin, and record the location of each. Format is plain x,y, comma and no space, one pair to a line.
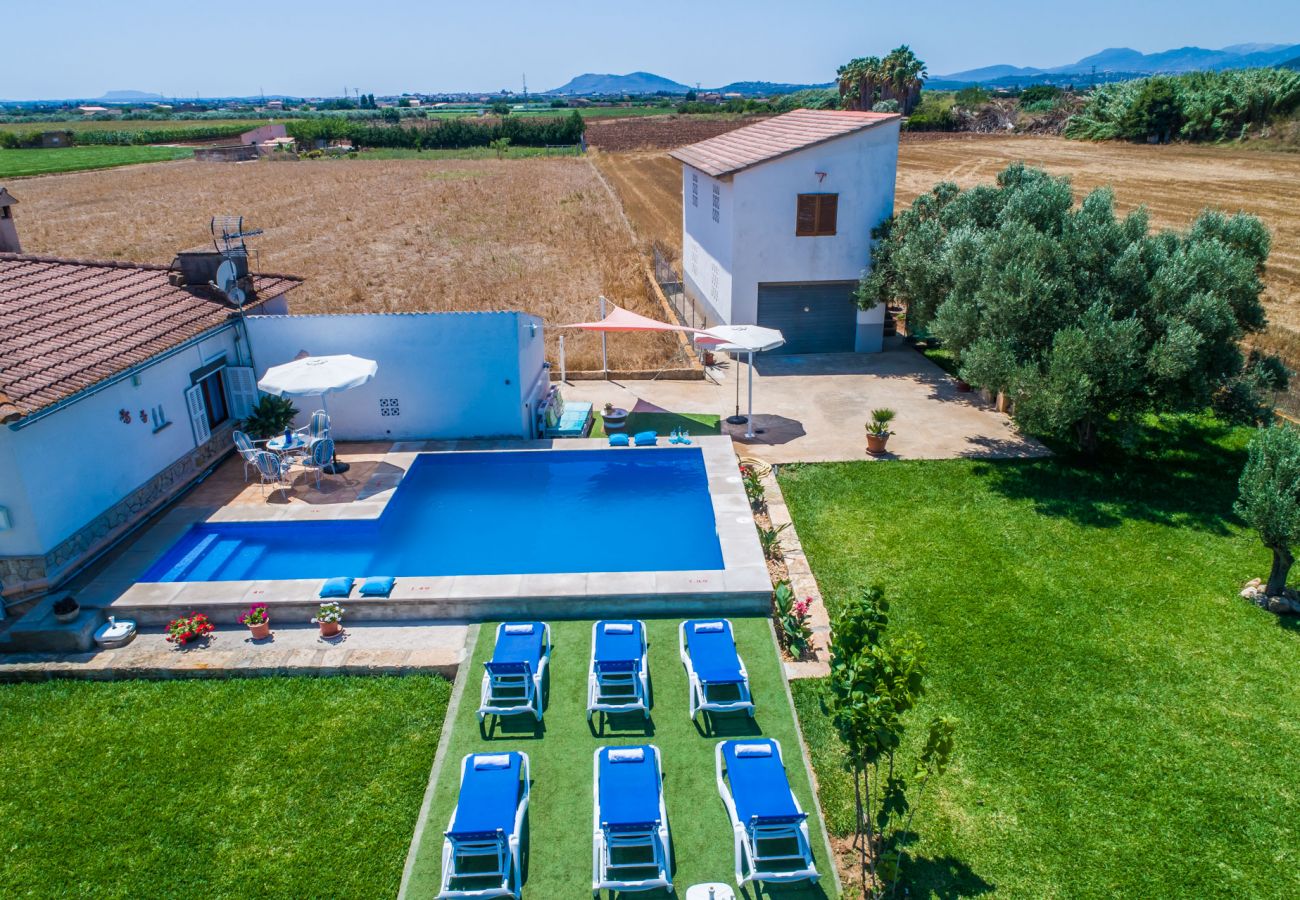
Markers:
80,48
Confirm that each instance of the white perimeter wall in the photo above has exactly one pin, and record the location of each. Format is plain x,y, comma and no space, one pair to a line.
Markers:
707,246
453,375
60,471
861,168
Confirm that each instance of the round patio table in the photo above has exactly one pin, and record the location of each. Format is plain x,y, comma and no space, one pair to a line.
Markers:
280,445
615,421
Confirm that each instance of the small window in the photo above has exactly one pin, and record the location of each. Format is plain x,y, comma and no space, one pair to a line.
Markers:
815,215
214,397
717,203
695,189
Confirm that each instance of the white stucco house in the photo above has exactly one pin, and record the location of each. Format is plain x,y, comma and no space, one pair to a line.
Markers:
121,383
777,220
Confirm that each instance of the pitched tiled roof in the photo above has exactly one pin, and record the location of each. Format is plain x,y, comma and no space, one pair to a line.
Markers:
753,144
67,324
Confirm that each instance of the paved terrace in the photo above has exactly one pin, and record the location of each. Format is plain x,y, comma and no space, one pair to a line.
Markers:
814,408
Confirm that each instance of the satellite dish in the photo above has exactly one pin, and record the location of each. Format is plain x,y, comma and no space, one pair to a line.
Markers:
236,296
227,277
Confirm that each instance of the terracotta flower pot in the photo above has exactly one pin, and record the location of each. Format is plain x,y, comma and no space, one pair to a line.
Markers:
330,629
261,630
876,443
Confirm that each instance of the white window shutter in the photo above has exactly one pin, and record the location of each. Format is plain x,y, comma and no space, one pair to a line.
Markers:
198,411
241,390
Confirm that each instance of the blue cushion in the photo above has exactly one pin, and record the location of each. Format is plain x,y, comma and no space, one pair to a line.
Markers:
759,784
628,790
646,439
489,797
619,440
514,647
337,587
618,645
378,586
713,653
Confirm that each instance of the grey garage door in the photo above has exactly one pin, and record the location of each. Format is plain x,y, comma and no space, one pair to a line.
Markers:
819,317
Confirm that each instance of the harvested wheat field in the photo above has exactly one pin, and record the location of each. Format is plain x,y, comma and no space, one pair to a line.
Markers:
540,235
1175,183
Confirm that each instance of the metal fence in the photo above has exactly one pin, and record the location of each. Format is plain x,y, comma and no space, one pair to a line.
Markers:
688,311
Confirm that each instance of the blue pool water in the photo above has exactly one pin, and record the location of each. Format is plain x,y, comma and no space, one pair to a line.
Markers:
485,514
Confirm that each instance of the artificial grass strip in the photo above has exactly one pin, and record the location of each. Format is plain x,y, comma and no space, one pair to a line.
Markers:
269,787
558,834
1129,726
664,423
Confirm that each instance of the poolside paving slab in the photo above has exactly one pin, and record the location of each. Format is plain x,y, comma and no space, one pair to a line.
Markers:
363,649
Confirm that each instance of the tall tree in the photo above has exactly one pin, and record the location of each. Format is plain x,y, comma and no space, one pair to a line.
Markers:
1080,317
868,80
1269,497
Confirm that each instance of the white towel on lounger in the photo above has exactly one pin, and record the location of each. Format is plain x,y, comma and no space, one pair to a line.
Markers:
520,628
708,627
618,628
492,761
627,754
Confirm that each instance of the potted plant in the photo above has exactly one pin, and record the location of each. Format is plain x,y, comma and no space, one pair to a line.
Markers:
271,416
193,627
66,608
330,619
258,621
878,430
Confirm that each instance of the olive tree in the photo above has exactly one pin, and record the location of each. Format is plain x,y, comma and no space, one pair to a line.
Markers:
1081,317
1269,497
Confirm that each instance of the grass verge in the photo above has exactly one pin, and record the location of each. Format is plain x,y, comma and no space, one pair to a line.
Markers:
16,163
558,834
1128,723
664,423
274,787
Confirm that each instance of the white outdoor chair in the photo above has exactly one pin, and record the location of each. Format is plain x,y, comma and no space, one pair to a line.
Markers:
318,429
247,448
320,456
271,468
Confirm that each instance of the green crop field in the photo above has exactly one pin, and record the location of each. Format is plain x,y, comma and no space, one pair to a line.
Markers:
124,124
16,163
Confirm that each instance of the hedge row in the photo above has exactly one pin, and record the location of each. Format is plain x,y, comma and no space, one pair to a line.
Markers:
444,133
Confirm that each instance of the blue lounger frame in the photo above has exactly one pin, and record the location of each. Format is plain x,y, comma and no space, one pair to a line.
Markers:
620,684
773,818
635,825
513,686
481,842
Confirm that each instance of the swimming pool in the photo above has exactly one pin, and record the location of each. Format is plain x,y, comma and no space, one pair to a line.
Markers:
484,513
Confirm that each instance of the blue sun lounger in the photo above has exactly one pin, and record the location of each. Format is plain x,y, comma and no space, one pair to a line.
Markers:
708,651
481,843
771,829
617,680
512,682
630,849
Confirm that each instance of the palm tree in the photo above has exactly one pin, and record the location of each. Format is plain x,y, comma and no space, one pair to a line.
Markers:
859,82
903,74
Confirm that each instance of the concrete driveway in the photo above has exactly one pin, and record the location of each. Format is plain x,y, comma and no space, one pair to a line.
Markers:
814,408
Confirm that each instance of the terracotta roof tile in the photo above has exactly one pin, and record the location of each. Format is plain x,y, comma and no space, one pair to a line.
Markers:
67,324
762,141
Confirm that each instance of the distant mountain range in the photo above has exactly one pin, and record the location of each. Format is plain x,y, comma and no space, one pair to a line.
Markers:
649,83
129,96
1124,60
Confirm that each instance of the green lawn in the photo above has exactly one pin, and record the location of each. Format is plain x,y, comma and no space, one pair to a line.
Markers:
664,423
274,787
1129,725
14,163
558,835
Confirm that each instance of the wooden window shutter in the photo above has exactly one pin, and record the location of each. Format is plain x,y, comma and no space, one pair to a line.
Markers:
805,223
198,411
241,390
827,212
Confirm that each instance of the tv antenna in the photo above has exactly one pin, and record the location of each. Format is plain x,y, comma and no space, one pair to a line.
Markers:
228,234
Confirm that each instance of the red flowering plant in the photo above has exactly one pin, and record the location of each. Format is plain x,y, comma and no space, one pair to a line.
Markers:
256,615
189,628
792,620
754,490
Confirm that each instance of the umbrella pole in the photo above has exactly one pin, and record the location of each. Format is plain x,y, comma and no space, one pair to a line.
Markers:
335,467
737,419
749,433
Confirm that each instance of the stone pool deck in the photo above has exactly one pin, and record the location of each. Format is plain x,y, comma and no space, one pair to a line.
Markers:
405,648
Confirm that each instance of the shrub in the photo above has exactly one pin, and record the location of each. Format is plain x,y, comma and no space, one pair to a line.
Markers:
189,628
754,489
792,620
971,97
271,416
769,538
1269,497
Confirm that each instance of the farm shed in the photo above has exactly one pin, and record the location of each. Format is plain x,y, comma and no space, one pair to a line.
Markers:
777,220
229,153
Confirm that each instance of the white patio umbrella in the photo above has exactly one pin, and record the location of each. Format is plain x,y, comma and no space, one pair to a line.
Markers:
319,375
748,339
